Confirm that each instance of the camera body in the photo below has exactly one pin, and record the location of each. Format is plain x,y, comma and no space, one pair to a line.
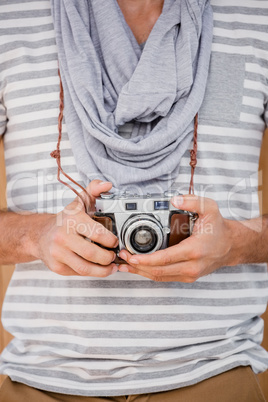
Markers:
144,223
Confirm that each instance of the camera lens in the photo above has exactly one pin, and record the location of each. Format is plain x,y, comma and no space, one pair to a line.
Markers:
142,234
143,239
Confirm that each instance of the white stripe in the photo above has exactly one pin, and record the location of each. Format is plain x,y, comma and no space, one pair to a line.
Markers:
36,5
121,326
135,293
28,37
20,52
27,167
244,18
257,68
121,276
251,118
240,34
245,50
132,309
32,100
31,84
125,342
229,132
25,67
25,22
241,3
254,102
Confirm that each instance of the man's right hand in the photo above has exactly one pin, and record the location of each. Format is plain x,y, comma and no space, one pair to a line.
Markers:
63,241
66,247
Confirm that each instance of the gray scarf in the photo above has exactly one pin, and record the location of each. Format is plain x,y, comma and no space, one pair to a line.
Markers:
109,80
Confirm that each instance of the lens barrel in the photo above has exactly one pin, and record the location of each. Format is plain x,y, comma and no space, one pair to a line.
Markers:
142,234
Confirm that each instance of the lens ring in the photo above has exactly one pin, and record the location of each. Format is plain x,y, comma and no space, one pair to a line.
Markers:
135,223
148,239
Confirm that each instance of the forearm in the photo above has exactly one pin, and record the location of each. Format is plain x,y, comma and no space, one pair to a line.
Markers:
19,236
249,241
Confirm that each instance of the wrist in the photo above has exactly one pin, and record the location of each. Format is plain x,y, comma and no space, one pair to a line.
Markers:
38,226
246,238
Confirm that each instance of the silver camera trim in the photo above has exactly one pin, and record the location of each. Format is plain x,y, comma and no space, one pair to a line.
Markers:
135,222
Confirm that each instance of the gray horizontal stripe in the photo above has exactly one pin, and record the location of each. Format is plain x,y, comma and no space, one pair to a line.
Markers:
23,93
32,315
20,1
113,284
44,139
28,75
227,156
252,93
131,334
219,139
258,77
21,14
240,10
238,269
37,156
40,123
31,190
253,110
231,205
240,42
7,47
240,25
137,301
27,59
35,107
240,174
26,29
132,390
216,155
198,187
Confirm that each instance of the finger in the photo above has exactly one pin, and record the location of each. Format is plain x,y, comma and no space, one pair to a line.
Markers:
89,251
193,203
64,270
185,250
187,272
86,268
87,197
95,231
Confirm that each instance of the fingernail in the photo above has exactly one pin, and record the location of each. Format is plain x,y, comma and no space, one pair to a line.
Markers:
123,255
123,268
133,260
114,270
177,201
102,183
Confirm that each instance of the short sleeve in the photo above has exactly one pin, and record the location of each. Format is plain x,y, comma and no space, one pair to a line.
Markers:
3,118
266,114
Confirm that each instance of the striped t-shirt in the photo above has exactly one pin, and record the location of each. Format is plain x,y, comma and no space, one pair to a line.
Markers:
127,334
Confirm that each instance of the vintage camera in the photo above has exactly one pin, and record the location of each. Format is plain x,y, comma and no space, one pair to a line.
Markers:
144,224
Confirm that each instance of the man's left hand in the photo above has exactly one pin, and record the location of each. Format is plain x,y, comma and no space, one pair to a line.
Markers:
208,248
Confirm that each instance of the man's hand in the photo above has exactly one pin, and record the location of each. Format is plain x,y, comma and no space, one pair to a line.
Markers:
65,245
215,242
62,241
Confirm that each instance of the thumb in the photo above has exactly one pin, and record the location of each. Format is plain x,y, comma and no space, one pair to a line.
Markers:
193,203
96,187
86,198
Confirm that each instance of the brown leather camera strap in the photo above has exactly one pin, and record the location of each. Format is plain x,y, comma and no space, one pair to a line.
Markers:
57,153
193,155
